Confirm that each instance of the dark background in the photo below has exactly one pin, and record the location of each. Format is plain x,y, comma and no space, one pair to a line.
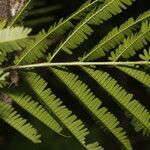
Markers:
12,140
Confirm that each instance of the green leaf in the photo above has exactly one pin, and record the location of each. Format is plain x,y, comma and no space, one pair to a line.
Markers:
12,39
137,74
139,114
115,37
63,114
11,117
32,52
133,43
146,55
34,109
96,17
93,105
39,45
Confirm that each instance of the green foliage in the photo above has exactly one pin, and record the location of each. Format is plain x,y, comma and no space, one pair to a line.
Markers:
115,37
33,51
137,73
125,100
146,55
12,39
34,109
9,115
54,105
95,17
34,94
57,29
93,105
133,43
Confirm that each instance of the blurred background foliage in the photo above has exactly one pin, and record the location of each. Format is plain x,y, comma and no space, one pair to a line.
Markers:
42,15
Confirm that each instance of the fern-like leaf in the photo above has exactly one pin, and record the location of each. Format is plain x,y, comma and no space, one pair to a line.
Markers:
146,55
33,52
94,146
96,17
93,105
136,73
11,117
65,116
34,109
14,38
140,115
128,49
38,46
115,37
133,43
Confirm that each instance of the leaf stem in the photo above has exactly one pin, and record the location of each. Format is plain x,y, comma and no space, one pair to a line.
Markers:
41,65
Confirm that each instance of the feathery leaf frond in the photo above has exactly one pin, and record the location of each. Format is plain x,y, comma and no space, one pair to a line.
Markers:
11,117
34,109
93,105
94,146
32,52
14,38
140,115
49,100
39,45
129,48
96,17
133,43
115,37
40,102
146,55
137,74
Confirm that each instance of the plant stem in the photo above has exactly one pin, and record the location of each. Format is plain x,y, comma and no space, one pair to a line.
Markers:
40,65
